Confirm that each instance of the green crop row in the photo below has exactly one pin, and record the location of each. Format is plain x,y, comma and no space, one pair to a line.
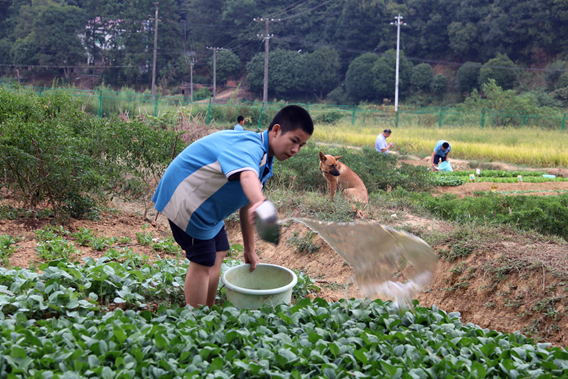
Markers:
130,279
493,173
457,178
544,214
348,339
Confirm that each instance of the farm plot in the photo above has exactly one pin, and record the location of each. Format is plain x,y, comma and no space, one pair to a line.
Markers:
97,293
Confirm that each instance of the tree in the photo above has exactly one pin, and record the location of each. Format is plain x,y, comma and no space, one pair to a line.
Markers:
228,64
555,72
56,34
439,84
359,79
421,76
562,81
322,70
467,76
499,68
384,73
5,51
463,38
286,70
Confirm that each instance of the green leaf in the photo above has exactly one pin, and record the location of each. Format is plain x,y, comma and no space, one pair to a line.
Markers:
119,334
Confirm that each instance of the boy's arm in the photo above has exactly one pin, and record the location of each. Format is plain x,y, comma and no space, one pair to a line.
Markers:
247,230
253,191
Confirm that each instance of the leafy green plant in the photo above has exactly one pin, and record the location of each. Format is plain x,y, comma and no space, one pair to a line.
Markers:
83,236
101,243
304,287
7,248
303,243
56,248
169,246
145,238
234,250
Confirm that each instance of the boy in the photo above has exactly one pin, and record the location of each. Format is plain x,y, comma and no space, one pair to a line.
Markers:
212,178
441,151
240,123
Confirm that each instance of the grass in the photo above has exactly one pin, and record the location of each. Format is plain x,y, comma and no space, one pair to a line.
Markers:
526,146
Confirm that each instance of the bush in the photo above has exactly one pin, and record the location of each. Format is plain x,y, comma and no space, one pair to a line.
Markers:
467,77
496,68
378,171
554,74
562,81
439,84
202,93
421,76
57,156
338,95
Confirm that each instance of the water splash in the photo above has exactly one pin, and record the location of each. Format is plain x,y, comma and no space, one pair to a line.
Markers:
377,253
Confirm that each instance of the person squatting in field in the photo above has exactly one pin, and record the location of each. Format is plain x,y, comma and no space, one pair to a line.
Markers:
214,177
440,154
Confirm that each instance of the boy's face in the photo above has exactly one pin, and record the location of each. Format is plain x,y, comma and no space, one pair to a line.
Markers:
284,146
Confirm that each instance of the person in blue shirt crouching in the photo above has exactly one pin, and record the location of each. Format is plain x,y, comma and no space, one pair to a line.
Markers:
440,154
214,177
240,123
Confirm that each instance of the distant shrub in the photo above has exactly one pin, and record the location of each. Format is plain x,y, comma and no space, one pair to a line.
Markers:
467,76
499,69
439,84
421,76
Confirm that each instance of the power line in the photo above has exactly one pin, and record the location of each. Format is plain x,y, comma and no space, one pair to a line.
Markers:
289,8
306,11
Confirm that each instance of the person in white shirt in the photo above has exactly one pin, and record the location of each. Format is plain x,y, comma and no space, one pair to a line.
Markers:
381,143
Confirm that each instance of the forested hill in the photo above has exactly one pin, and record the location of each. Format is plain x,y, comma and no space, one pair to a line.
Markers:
48,33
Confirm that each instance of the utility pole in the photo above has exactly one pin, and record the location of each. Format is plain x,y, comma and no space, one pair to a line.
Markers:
191,79
155,53
215,49
398,23
266,36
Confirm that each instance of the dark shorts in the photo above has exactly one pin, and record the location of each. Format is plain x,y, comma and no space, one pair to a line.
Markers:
202,252
438,158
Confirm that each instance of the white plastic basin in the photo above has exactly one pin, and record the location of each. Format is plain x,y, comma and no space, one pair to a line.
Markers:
266,285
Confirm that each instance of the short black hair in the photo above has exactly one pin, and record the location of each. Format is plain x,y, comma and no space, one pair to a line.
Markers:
240,118
445,145
293,117
387,130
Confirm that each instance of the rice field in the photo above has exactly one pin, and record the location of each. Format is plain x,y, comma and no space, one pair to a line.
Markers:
522,146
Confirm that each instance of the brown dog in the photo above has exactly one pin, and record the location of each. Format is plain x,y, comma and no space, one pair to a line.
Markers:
338,174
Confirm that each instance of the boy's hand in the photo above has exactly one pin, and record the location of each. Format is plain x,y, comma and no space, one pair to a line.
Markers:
252,209
252,258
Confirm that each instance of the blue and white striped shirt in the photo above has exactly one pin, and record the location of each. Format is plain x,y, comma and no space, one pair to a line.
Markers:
195,192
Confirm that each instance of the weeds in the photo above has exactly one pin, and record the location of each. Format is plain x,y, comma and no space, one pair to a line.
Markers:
83,236
57,248
7,248
305,243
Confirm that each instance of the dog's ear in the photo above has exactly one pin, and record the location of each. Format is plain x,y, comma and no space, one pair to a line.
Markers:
341,156
322,157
